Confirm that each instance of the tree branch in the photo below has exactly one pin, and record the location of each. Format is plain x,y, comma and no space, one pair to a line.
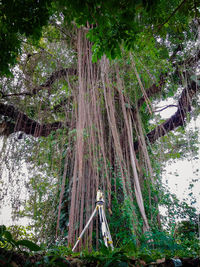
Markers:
176,120
155,89
49,82
18,121
172,14
168,106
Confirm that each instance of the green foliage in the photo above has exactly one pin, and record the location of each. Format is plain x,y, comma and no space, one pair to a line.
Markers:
20,232
122,217
153,246
45,185
113,23
175,144
117,23
186,235
107,258
28,244
55,256
17,18
175,209
159,244
115,28
161,241
6,240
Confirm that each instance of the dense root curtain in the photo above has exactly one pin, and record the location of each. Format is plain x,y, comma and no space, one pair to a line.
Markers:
103,139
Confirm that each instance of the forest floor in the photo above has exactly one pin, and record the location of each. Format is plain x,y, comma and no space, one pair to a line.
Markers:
16,259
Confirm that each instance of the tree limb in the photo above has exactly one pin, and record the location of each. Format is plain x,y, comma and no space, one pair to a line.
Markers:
18,121
176,120
155,89
50,80
172,14
163,108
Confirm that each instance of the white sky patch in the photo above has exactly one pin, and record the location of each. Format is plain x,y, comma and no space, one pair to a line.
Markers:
183,176
183,181
167,113
6,218
16,186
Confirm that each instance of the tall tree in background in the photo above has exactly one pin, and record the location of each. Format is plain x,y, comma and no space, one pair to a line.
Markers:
86,82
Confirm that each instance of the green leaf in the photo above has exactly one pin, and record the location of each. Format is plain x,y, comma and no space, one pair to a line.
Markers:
8,235
122,264
30,245
62,262
2,229
114,262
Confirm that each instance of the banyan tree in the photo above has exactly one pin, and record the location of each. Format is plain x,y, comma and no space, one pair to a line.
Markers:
80,107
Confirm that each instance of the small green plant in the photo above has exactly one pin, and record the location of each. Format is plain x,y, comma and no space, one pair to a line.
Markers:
157,245
105,257
7,241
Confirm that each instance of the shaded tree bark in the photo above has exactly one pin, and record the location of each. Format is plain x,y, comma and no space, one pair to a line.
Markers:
18,121
176,120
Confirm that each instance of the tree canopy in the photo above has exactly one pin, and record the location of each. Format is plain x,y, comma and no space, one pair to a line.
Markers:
80,81
112,23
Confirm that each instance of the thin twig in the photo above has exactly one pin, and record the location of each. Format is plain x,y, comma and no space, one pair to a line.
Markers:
56,75
183,2
15,94
168,106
